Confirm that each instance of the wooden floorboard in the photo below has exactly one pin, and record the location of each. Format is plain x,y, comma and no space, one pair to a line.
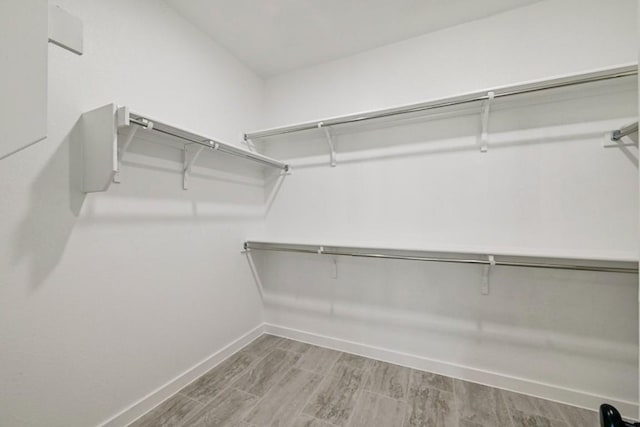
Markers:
281,382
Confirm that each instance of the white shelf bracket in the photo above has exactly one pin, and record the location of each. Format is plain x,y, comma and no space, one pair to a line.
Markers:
189,159
332,150
286,172
123,119
609,141
334,267
249,143
254,270
486,109
485,275
122,150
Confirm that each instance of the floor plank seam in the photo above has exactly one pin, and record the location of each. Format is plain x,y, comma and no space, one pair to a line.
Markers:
251,408
322,421
247,392
187,396
384,395
262,398
185,422
292,351
279,378
311,394
455,400
360,392
217,366
232,380
405,410
513,423
309,370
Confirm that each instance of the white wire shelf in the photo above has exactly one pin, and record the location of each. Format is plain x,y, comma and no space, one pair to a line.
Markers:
486,259
108,132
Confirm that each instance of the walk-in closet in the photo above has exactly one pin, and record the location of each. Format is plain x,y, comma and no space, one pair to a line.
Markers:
319,213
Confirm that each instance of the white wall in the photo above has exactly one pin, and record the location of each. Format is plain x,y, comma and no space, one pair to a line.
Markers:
545,39
546,186
105,298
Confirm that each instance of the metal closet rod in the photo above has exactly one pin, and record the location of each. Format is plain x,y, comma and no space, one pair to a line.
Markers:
248,246
465,99
212,144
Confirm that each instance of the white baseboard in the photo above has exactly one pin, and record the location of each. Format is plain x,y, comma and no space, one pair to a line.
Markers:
156,397
520,385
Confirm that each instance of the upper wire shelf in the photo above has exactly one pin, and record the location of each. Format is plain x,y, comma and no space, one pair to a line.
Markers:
108,132
486,97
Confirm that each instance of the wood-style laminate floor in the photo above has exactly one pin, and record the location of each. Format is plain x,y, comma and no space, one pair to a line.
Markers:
279,382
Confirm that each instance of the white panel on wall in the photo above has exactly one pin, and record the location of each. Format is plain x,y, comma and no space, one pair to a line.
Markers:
23,74
65,30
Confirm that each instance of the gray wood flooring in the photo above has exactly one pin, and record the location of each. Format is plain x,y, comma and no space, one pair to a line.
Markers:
279,382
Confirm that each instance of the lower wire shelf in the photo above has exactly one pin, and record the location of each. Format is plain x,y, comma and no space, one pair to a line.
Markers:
579,264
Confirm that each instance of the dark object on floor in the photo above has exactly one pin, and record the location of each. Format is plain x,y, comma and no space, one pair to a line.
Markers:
610,417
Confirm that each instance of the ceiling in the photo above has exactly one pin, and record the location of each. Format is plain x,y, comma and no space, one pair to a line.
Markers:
274,36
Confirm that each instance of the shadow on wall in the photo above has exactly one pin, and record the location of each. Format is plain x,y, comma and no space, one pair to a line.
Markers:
628,153
221,188
573,312
56,199
55,202
27,145
473,146
477,327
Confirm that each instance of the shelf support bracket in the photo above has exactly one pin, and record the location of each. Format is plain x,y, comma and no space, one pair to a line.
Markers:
189,159
486,109
122,120
334,265
254,270
249,143
332,150
485,275
122,150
